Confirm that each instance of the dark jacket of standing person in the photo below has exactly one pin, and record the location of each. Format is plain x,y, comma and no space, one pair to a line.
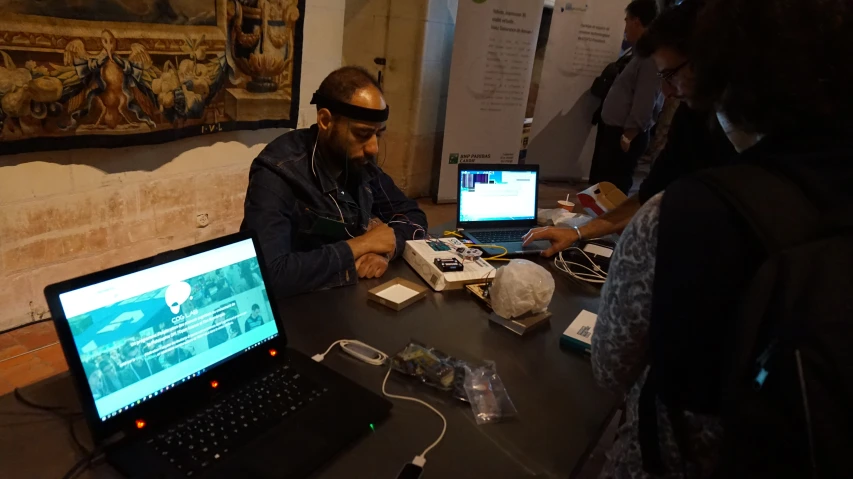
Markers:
630,109
688,257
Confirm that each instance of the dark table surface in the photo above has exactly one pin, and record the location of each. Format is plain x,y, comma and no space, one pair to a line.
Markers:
561,411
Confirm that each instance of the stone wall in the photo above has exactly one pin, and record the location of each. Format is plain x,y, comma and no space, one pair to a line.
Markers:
68,213
415,37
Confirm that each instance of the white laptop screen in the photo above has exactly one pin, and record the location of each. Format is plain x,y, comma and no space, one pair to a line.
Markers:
497,195
139,335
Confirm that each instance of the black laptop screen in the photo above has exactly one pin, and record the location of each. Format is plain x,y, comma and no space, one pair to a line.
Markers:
139,335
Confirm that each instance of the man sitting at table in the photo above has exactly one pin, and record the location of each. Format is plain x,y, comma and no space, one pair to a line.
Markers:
325,213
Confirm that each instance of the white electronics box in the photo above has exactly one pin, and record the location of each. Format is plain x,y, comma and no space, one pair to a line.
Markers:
421,255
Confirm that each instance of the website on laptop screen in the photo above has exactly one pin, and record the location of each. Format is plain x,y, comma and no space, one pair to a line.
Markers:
141,334
497,195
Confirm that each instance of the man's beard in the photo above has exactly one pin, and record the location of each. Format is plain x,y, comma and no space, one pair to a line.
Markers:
340,157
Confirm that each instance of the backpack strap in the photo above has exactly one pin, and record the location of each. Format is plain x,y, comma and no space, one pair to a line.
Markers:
754,192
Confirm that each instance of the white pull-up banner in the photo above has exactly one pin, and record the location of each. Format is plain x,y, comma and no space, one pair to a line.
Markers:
585,37
493,50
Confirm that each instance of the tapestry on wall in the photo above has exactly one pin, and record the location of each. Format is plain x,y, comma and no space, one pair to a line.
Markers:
108,73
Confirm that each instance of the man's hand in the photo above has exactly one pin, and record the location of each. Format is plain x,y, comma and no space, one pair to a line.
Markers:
371,266
560,238
379,239
627,137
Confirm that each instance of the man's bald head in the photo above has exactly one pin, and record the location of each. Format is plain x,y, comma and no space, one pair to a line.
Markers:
353,85
346,140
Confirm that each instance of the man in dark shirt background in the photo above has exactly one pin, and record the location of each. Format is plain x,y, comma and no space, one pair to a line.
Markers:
255,319
630,108
139,367
695,139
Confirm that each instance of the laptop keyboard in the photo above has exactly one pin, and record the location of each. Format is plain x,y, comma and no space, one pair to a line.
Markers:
506,236
206,437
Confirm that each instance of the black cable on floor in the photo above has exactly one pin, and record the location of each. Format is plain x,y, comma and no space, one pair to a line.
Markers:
58,410
25,325
80,466
70,417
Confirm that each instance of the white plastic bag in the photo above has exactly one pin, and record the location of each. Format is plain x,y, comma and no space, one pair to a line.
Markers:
521,287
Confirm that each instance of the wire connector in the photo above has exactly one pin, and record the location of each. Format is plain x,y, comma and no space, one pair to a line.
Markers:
419,461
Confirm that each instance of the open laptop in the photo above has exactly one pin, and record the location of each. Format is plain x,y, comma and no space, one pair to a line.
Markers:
182,369
497,206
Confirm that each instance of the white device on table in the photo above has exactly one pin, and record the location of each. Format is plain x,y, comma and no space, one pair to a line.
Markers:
497,206
421,256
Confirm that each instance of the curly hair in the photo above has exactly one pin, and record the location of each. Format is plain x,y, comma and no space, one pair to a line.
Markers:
673,28
776,65
644,10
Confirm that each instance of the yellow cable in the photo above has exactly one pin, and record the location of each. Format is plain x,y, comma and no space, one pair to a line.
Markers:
496,257
453,233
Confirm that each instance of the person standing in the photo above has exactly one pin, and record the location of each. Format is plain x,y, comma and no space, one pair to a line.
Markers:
726,318
695,141
630,108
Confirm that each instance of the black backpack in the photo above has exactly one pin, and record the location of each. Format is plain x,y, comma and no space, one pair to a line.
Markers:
787,398
603,82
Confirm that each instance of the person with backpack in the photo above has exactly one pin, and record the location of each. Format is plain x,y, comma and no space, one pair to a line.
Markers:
695,141
630,108
726,318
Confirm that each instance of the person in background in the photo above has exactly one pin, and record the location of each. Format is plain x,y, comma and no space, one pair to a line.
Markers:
139,366
175,356
223,287
115,356
325,213
218,331
234,330
113,379
255,319
235,279
98,384
671,318
695,140
251,278
629,110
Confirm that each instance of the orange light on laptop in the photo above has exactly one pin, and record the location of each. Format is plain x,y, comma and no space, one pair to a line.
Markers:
214,384
273,352
140,424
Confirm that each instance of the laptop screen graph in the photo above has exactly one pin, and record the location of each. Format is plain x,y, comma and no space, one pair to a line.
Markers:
141,334
497,195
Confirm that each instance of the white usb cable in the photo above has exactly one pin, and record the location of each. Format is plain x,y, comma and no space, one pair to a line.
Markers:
358,350
594,274
375,357
419,460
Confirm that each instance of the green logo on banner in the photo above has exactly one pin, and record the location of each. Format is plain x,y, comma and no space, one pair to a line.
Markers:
454,157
